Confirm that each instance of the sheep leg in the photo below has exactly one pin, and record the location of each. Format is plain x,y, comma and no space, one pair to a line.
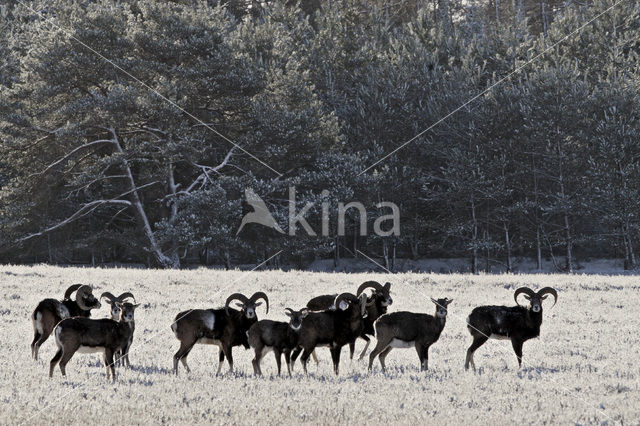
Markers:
181,355
304,358
366,346
335,357
125,353
66,357
108,364
34,350
383,357
477,342
220,360
43,337
294,356
423,355
352,349
315,357
380,347
287,359
226,349
517,348
54,361
108,357
256,360
278,356
183,360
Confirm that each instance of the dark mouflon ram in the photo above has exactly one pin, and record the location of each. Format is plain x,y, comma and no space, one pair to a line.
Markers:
377,305
322,303
50,312
122,356
225,327
333,328
86,335
515,323
277,336
409,330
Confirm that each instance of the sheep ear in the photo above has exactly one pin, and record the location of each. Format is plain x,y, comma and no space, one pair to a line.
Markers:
545,296
527,297
136,305
449,302
258,303
288,314
240,305
434,300
387,286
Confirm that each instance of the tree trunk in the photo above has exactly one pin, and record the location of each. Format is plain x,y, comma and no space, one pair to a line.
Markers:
227,259
49,248
474,239
544,18
385,253
538,250
487,253
563,195
629,255
632,255
508,247
355,241
567,229
154,248
414,247
393,258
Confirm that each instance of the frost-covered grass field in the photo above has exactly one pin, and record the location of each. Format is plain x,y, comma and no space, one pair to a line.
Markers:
584,369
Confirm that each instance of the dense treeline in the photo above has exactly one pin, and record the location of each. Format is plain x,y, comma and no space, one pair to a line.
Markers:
119,123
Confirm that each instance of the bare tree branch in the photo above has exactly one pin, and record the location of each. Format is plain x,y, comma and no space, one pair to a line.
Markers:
87,209
82,212
70,154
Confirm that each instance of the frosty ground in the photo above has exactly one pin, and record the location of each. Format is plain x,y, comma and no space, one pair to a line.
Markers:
583,369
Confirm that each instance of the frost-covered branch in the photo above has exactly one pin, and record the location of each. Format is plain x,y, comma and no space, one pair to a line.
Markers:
73,152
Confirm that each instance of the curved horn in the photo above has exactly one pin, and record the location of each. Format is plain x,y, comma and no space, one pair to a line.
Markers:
70,290
369,284
126,295
525,290
260,295
238,296
109,296
551,291
347,297
79,299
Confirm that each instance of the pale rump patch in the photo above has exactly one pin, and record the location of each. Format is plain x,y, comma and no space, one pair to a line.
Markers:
37,322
